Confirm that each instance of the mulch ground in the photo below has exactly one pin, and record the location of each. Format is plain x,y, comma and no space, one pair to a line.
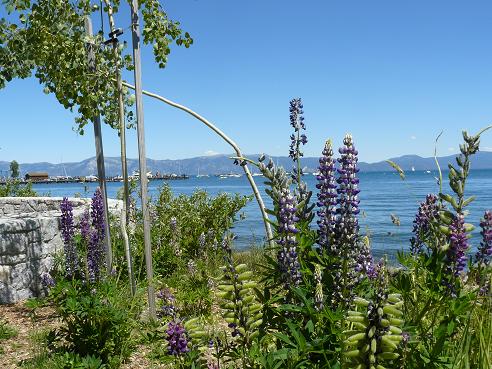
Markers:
21,347
26,323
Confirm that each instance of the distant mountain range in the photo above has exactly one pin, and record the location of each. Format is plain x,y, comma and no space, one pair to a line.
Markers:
219,164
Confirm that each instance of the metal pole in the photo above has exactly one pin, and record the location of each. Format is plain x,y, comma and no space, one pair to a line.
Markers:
121,106
141,156
124,167
101,173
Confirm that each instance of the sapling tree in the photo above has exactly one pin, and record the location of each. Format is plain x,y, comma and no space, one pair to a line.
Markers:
14,169
47,38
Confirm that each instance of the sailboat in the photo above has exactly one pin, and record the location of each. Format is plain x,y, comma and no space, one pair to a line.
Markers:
201,175
413,168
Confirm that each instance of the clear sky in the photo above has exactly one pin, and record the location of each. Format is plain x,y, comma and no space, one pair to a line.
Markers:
393,73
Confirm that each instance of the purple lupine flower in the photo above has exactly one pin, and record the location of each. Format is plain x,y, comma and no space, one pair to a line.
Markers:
173,223
287,255
191,267
354,255
94,256
68,231
95,244
177,342
327,200
458,245
348,190
202,242
85,226
484,253
47,280
428,211
97,213
168,301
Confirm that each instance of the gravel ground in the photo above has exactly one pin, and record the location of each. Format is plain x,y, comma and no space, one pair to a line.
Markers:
21,347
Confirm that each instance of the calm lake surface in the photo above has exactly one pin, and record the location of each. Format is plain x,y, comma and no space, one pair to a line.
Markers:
382,194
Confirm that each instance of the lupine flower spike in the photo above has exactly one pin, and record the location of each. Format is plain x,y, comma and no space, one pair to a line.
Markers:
327,200
427,213
177,342
95,246
287,255
68,231
484,253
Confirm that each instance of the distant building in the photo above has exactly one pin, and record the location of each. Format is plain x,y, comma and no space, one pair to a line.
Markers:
36,176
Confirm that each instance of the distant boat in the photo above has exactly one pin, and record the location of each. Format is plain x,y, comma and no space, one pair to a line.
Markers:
257,175
413,169
230,175
316,174
427,171
201,175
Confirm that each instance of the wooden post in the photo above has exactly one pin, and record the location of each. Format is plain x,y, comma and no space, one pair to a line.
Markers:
142,156
101,173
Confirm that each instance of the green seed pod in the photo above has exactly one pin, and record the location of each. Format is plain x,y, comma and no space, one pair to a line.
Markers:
225,295
250,284
241,268
361,302
256,324
357,337
245,275
229,305
394,338
355,313
388,309
254,335
380,367
372,358
230,320
358,319
394,297
365,348
248,299
396,321
371,332
374,345
353,353
225,287
190,323
380,312
395,330
385,323
358,325
388,355
386,341
198,334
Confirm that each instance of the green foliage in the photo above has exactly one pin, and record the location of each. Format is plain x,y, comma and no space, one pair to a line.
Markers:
6,331
97,320
15,188
14,169
196,216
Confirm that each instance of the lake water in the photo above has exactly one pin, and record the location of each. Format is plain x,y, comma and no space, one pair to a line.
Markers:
382,194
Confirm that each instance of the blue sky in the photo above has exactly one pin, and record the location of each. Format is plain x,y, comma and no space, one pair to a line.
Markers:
392,73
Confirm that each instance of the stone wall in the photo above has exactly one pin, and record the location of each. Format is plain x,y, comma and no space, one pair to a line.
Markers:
29,238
